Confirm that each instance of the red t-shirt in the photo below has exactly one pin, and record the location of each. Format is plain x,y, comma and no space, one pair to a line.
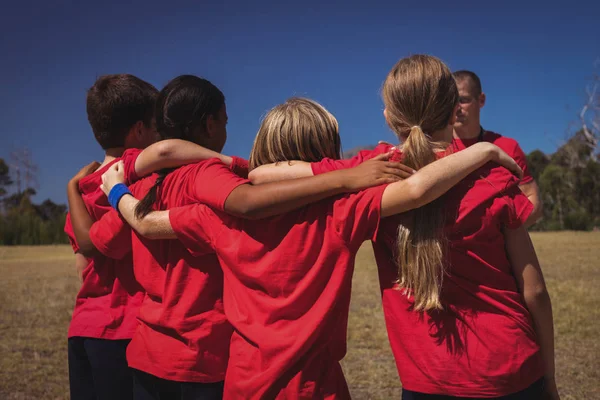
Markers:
510,146
287,291
483,344
109,298
183,334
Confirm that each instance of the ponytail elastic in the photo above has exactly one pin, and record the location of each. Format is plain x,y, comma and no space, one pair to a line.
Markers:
116,193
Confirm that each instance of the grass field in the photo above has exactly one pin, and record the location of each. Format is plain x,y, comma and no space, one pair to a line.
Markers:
39,284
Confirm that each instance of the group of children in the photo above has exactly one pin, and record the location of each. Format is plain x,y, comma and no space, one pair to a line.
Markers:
226,288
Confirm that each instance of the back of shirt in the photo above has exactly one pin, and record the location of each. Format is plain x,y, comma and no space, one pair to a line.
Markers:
183,334
287,291
483,343
109,298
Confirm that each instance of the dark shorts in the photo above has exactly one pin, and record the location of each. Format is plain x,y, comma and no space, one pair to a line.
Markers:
533,392
150,387
98,369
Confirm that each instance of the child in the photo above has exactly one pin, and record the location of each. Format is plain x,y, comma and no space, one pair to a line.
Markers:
180,348
487,331
287,279
119,109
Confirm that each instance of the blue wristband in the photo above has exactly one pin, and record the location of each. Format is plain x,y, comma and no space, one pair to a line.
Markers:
117,191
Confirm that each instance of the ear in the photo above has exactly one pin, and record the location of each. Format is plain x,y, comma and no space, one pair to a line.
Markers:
138,131
385,114
453,116
481,100
211,126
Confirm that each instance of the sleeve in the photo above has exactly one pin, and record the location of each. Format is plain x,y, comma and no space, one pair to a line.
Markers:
519,156
239,166
196,227
329,164
129,157
212,182
357,215
518,208
111,235
70,233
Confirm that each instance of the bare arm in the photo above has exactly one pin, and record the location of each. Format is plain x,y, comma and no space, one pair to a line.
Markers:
172,153
532,191
261,201
530,280
280,171
155,225
435,179
80,218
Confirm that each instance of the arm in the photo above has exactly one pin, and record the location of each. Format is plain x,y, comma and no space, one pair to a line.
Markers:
155,225
172,153
435,179
300,169
532,191
530,281
80,218
81,264
280,171
261,201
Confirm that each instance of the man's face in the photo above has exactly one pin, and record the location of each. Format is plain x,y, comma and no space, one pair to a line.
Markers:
470,104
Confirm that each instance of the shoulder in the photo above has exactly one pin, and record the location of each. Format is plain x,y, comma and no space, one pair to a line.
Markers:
501,141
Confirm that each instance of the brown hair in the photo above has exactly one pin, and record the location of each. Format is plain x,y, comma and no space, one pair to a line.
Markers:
115,103
420,95
472,76
299,129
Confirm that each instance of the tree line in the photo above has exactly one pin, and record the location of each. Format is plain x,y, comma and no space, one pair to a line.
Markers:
23,222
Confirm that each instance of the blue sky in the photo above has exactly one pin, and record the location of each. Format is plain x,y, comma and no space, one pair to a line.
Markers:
534,62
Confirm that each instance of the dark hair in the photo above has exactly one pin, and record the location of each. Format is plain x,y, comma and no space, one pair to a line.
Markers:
115,103
464,74
182,109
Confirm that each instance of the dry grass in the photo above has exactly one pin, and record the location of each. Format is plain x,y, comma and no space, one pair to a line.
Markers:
39,284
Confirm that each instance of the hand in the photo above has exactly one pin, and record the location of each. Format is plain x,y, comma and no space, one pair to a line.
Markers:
550,390
375,172
500,157
112,176
85,171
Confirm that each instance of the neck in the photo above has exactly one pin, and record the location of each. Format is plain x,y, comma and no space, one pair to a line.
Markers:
111,154
467,133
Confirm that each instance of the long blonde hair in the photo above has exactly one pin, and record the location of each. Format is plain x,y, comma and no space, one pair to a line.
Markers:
420,95
299,129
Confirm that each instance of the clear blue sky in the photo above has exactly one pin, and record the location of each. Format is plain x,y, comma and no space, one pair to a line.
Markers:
533,61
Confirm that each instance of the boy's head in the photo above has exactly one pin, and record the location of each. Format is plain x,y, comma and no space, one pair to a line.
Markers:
299,129
192,108
120,110
472,99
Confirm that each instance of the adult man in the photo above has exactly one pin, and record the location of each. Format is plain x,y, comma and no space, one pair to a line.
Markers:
468,131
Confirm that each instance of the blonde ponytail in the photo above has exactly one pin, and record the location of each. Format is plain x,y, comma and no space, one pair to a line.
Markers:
419,95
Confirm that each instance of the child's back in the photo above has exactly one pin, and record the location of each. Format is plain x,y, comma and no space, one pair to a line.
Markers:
287,291
482,343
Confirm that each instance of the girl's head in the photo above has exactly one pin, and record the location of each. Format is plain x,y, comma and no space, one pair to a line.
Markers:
299,129
192,108
421,100
188,108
